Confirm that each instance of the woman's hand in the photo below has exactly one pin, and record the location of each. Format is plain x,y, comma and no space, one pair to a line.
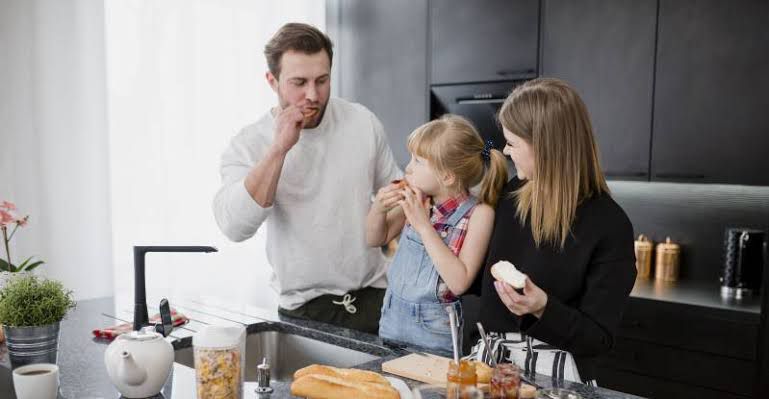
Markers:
416,208
532,301
387,198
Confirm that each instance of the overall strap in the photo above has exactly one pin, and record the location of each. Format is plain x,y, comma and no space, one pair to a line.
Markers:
462,210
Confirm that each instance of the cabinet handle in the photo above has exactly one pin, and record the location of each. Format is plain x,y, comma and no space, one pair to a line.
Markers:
480,101
625,174
679,176
516,72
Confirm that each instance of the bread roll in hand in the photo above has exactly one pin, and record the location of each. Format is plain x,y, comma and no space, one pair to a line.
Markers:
506,272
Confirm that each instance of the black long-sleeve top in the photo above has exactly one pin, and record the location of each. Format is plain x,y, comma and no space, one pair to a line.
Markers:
587,282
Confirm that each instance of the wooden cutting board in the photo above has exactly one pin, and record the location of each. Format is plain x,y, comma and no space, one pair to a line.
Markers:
426,368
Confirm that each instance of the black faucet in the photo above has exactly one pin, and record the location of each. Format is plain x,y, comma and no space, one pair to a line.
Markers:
141,318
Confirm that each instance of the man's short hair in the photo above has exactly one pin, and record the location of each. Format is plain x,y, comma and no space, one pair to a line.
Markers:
297,37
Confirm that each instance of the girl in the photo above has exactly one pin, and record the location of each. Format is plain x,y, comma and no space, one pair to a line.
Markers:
442,246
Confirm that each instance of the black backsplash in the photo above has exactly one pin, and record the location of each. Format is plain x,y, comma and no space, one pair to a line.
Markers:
694,216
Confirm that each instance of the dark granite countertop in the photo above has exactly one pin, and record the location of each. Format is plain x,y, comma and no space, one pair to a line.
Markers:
81,357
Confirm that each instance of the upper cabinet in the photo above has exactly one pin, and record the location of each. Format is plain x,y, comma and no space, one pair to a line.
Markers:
382,59
711,101
483,40
605,50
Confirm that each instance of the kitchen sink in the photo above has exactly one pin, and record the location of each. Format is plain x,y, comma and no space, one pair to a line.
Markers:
286,353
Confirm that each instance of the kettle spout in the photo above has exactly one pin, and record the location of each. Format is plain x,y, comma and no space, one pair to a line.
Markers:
129,372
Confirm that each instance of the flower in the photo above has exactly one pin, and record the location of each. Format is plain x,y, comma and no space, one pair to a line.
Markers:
8,206
7,218
22,221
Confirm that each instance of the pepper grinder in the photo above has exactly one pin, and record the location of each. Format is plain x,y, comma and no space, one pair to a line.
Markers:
263,378
668,261
643,256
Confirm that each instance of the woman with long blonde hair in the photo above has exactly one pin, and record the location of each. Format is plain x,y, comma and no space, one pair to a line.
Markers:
558,224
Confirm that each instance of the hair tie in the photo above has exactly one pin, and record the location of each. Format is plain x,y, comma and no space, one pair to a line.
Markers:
486,153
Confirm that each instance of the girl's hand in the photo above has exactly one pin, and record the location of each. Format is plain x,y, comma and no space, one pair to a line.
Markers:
387,198
532,301
416,208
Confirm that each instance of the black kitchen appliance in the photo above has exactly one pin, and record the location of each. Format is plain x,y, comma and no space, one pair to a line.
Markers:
478,102
743,262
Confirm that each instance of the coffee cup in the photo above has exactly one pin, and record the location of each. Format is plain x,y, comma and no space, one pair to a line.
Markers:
36,381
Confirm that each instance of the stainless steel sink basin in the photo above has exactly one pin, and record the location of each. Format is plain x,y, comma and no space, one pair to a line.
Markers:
287,353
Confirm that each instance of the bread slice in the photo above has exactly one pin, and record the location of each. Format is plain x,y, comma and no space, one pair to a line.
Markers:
353,375
506,271
309,112
400,183
319,386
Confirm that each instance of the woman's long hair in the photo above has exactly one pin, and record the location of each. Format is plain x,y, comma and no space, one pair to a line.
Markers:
550,116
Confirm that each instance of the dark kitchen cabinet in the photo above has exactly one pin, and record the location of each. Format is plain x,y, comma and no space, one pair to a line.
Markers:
484,40
673,350
605,49
711,102
382,62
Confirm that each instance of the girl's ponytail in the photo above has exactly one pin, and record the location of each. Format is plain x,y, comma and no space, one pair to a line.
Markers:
494,178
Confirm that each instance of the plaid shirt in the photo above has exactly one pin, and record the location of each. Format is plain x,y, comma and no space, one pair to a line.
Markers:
454,238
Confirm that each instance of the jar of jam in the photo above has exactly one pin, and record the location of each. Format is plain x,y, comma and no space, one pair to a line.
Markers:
461,379
505,381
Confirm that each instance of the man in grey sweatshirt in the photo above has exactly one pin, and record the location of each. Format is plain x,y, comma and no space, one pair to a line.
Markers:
308,168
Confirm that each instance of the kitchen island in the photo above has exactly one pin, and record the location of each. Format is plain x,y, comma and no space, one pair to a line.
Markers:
81,357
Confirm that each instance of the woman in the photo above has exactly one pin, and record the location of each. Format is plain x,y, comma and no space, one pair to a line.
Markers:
557,223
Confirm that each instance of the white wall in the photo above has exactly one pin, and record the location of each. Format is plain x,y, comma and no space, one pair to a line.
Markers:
53,141
183,77
113,115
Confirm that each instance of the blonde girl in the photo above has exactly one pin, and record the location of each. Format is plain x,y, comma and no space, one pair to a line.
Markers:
444,229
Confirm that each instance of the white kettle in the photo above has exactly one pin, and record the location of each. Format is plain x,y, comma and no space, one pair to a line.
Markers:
139,362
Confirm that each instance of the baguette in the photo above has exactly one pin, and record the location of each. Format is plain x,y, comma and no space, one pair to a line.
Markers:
353,375
319,386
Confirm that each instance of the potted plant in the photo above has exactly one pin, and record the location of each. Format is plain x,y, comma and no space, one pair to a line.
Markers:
9,224
31,310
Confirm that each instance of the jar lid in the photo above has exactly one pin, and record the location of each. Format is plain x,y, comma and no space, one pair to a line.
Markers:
668,245
643,242
219,337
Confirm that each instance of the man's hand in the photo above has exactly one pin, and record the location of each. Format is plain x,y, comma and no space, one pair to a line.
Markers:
288,125
387,198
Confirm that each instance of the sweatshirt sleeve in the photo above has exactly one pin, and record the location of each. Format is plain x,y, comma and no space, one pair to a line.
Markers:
589,328
386,168
236,213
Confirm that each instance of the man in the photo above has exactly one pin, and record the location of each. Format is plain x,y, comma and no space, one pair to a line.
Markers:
308,167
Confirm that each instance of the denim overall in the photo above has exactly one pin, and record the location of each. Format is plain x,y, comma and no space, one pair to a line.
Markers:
411,310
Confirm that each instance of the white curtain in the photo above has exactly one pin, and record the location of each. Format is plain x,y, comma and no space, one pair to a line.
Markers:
183,77
113,115
53,138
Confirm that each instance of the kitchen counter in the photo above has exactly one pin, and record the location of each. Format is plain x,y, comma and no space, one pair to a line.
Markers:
81,357
697,293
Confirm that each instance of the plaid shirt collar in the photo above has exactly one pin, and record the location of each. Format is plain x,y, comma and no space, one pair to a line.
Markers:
443,211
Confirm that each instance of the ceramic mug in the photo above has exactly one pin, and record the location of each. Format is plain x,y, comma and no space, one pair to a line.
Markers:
36,381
